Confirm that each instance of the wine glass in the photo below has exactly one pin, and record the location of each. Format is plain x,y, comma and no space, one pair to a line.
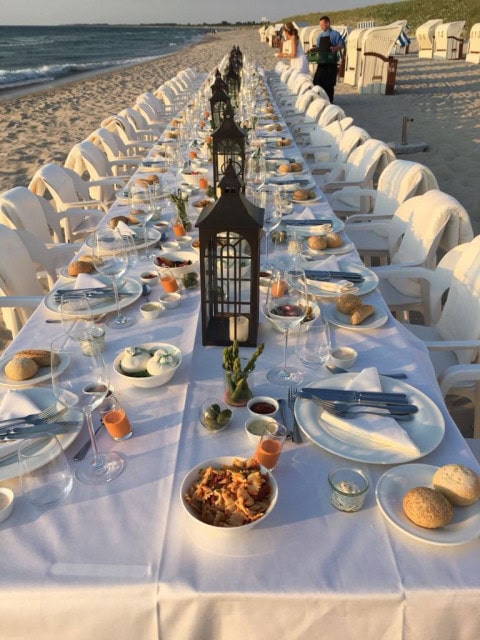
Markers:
112,261
76,314
83,384
272,218
142,210
286,306
255,173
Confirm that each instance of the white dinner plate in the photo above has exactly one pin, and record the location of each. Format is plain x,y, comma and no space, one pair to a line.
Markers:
378,319
305,230
42,397
426,428
392,486
105,279
132,287
369,283
311,254
153,236
43,373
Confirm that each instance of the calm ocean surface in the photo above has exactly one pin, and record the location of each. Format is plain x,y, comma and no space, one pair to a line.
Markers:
29,55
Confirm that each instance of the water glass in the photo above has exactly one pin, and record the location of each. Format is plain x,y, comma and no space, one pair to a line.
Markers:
46,476
313,342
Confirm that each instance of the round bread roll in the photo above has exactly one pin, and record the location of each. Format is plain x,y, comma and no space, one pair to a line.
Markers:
284,168
361,313
21,369
347,303
80,266
278,127
296,166
300,194
317,242
334,240
152,178
41,357
427,508
460,484
141,182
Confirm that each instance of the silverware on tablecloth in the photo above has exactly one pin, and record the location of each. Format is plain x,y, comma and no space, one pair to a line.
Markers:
49,413
58,428
339,408
314,222
334,275
396,376
296,435
353,396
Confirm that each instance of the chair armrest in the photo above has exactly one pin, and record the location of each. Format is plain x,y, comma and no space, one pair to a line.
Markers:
409,270
358,218
458,375
20,301
79,214
336,186
379,227
449,345
114,180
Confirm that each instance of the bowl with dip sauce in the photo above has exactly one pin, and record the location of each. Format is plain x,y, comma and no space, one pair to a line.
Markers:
260,406
255,427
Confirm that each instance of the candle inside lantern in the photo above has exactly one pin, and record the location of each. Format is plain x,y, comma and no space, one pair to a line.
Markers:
241,323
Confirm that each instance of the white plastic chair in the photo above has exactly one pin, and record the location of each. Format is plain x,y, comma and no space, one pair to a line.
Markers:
121,125
400,180
118,153
329,159
91,164
302,124
69,191
139,123
324,138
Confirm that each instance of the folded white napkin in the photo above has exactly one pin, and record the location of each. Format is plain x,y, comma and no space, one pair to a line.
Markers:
335,286
88,281
306,214
125,229
377,431
16,404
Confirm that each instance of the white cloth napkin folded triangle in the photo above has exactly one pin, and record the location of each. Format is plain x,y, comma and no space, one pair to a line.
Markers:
88,281
16,404
378,431
335,286
125,229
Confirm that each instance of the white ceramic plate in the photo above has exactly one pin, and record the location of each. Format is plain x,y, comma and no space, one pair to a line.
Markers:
378,319
369,284
43,373
42,397
426,428
105,279
153,236
132,287
392,486
311,254
305,230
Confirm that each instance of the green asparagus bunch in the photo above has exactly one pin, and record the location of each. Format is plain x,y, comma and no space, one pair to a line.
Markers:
238,391
180,201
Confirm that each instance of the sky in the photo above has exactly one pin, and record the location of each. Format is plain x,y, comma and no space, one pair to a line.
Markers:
43,12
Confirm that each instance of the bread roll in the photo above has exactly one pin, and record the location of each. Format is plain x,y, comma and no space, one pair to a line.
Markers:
21,369
296,166
334,240
41,357
113,222
152,178
284,168
80,266
360,314
141,182
347,303
460,484
427,508
316,242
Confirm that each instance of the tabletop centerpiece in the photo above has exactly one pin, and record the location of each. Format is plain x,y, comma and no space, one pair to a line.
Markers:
237,370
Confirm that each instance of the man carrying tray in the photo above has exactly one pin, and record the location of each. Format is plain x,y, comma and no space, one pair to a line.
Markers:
329,43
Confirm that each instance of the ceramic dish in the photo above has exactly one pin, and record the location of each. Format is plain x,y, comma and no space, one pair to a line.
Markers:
105,279
7,498
192,477
312,254
426,428
153,236
43,374
378,319
132,292
369,283
42,397
316,229
180,256
392,486
149,382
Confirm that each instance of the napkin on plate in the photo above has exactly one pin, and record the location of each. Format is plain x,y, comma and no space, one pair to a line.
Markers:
88,281
377,431
16,404
336,286
125,229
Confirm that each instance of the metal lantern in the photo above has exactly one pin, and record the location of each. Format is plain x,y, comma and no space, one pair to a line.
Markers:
228,145
218,82
232,78
229,234
219,102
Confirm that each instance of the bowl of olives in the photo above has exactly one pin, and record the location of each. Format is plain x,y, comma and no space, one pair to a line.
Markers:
215,415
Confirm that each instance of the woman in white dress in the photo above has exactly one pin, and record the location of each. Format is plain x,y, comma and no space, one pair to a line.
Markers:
292,49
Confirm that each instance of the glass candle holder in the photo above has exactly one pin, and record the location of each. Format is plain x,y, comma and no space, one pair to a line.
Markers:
349,487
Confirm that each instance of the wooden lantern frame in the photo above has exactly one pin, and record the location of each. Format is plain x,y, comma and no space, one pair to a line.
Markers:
228,146
219,103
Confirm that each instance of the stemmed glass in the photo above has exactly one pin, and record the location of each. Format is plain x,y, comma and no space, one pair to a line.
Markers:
142,210
271,219
286,306
76,314
112,261
256,173
83,385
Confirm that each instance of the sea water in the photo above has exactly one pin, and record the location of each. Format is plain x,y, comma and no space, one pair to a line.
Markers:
31,55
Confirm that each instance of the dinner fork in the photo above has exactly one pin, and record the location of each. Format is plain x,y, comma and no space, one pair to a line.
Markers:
296,435
345,409
49,414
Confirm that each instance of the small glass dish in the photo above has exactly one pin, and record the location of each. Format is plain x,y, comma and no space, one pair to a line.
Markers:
215,415
349,487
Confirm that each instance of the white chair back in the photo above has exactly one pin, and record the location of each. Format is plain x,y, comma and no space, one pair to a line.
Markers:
22,209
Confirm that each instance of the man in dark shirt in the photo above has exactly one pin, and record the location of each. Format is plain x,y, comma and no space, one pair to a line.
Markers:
326,73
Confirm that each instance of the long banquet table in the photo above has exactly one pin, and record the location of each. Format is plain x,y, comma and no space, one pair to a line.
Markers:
121,560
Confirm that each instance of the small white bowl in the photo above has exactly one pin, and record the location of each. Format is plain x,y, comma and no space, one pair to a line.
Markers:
343,357
152,310
254,427
184,241
171,300
7,498
149,382
180,256
192,477
149,277
262,400
191,177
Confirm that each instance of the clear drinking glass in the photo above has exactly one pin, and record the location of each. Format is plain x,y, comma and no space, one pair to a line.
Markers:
286,306
76,313
45,474
83,384
271,219
141,208
112,261
313,342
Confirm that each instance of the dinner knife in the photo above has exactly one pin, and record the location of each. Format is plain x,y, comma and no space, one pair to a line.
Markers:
352,396
341,275
392,408
307,223
39,430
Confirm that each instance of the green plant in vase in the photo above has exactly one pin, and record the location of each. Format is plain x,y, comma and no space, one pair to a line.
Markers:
237,391
180,200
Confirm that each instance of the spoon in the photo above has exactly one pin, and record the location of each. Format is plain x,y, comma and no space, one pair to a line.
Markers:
397,376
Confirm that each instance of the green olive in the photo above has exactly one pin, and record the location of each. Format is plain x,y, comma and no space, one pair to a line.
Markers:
224,417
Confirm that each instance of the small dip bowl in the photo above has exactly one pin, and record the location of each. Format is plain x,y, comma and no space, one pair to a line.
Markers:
184,241
348,488
149,277
7,498
262,406
255,427
151,310
215,415
171,300
343,357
